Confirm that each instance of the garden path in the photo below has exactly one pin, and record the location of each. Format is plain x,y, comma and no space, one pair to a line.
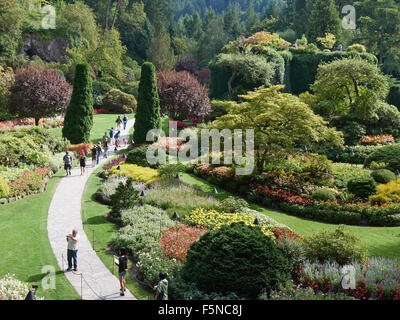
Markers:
93,280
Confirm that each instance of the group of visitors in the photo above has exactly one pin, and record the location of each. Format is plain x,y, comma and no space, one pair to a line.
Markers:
101,148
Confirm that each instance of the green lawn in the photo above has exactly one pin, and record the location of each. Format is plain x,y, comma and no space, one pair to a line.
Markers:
25,246
101,124
93,212
379,241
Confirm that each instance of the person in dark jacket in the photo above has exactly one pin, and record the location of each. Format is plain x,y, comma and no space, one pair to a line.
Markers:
122,270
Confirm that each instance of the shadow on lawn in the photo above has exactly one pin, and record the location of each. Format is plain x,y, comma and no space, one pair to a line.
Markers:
40,276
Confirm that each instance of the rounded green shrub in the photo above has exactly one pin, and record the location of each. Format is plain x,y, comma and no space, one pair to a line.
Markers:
361,187
116,101
323,195
383,176
138,156
236,259
389,154
4,188
338,245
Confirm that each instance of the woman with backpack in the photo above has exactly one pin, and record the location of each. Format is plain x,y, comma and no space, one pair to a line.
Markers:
122,270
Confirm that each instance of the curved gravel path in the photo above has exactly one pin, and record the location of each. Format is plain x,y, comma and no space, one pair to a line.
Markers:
93,280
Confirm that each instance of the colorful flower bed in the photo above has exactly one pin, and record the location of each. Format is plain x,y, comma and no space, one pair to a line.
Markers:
114,162
376,140
136,173
83,148
378,279
14,125
29,181
212,219
176,241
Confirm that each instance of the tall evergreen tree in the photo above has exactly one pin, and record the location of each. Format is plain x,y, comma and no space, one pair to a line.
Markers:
160,52
148,108
79,116
324,18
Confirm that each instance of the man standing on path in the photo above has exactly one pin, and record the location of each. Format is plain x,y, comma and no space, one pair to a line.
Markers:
125,120
67,163
72,252
111,135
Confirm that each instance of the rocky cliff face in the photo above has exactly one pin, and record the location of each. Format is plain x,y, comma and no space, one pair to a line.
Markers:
53,50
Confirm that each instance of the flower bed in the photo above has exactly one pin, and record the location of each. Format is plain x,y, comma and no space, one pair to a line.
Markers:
14,125
212,219
378,279
176,241
136,173
100,111
83,148
377,140
29,181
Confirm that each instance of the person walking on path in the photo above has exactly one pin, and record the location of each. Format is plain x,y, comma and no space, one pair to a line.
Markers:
111,136
122,270
72,252
118,121
125,120
82,162
117,136
105,145
67,163
161,290
94,156
98,153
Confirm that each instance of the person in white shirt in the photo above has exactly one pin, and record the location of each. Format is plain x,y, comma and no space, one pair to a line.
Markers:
72,252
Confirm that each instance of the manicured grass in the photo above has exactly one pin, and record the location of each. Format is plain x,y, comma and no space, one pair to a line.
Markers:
93,212
25,247
101,124
379,241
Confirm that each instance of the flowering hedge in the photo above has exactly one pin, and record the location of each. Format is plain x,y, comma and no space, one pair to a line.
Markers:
375,140
29,181
260,191
213,219
13,289
180,124
114,162
81,148
176,241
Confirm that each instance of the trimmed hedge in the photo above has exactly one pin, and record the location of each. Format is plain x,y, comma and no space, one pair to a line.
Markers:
388,154
383,176
304,66
323,195
362,187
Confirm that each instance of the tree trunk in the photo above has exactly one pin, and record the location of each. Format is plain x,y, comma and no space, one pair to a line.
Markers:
116,12
108,12
37,121
230,82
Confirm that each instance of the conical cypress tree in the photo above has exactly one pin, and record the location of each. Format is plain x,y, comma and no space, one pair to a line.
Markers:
79,116
148,107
